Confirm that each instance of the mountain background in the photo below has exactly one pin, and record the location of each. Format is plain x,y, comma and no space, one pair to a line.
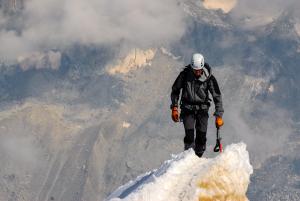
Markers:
85,86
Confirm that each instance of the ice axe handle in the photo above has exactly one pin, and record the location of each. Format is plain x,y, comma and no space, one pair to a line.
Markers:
218,147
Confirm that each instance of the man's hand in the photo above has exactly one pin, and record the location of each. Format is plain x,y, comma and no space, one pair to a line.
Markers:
219,122
175,114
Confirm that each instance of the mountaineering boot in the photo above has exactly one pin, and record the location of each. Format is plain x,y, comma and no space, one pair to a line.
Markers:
199,154
199,150
188,146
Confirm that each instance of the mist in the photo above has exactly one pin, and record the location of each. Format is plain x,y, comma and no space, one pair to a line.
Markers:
54,24
253,14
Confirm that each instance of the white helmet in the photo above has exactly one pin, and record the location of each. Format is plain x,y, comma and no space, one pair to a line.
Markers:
197,62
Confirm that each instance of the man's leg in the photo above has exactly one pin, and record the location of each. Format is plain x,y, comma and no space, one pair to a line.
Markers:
201,129
189,123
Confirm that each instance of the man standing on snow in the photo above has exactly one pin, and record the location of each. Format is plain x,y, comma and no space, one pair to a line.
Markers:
194,82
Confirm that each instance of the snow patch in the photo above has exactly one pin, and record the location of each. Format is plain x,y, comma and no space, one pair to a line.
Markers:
168,53
224,5
135,59
271,88
256,85
187,177
297,27
125,124
228,176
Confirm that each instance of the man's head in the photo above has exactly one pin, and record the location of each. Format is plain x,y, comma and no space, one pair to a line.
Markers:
197,63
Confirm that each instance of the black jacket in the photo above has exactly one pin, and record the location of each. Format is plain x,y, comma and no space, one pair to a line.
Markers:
195,90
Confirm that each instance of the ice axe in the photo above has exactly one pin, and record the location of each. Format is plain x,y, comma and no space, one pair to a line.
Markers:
218,147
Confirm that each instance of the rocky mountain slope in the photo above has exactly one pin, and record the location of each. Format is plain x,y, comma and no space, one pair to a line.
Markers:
102,117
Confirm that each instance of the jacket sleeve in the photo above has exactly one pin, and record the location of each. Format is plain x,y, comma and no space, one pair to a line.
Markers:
177,86
217,96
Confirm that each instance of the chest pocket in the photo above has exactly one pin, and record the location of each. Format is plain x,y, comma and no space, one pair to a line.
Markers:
201,90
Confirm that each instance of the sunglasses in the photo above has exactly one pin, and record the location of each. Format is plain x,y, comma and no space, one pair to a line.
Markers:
198,71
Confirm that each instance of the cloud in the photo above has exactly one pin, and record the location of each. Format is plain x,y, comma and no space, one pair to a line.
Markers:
58,24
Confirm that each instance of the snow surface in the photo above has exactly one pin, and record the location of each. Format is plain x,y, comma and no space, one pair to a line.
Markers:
187,177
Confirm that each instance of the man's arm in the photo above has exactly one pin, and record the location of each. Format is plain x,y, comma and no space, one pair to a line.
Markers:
217,97
177,86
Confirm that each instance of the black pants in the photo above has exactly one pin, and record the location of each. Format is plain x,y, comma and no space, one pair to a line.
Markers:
195,120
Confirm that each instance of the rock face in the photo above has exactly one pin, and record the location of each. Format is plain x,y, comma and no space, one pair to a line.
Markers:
74,153
11,5
31,136
135,59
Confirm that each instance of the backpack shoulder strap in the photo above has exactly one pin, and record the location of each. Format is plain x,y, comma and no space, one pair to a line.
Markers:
185,72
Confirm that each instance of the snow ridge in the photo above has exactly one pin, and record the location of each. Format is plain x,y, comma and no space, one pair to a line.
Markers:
186,177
